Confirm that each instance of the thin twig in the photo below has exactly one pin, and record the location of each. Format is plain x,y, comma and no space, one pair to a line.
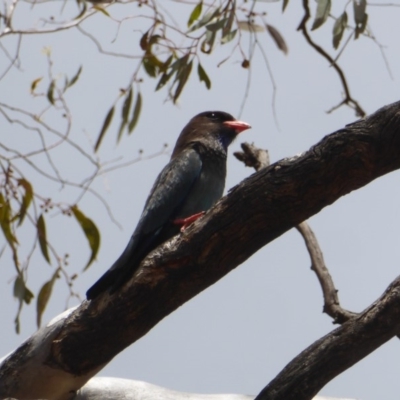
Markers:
257,158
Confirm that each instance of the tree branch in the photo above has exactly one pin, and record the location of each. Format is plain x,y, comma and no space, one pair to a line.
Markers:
332,306
257,158
348,99
260,209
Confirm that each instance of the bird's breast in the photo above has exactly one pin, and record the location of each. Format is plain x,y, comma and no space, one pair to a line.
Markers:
208,187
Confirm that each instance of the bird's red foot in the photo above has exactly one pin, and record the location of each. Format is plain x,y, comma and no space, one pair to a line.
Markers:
185,222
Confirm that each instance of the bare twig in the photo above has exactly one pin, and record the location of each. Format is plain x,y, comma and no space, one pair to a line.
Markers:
258,159
348,99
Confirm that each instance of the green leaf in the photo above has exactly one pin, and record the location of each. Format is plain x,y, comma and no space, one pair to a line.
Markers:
205,20
125,113
338,29
44,296
74,78
284,5
323,9
360,16
102,10
24,295
203,76
151,64
208,43
41,230
136,113
5,221
106,124
228,26
166,76
182,79
144,41
250,26
278,38
21,291
83,11
91,232
165,64
164,79
26,199
150,67
228,37
50,92
194,16
35,83
215,26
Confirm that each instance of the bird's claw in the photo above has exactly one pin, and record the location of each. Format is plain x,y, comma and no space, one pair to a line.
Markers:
185,222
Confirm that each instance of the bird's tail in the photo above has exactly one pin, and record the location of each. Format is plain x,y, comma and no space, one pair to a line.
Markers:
106,282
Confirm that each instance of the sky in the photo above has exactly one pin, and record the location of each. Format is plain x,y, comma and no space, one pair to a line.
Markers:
238,334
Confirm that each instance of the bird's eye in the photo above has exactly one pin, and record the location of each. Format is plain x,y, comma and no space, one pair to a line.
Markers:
212,115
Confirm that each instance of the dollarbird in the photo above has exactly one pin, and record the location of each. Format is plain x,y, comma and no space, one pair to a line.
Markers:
189,185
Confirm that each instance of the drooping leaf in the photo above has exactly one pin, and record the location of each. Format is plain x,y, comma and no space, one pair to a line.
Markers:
23,295
165,65
182,79
226,30
278,38
230,36
5,224
44,296
42,237
26,199
151,64
126,107
338,29
205,20
284,5
360,16
136,113
21,291
165,77
74,78
144,41
195,14
250,26
50,92
208,43
91,232
5,221
35,83
203,76
102,10
216,26
323,9
106,124
83,11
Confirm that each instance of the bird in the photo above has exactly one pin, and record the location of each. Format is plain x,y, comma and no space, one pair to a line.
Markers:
190,184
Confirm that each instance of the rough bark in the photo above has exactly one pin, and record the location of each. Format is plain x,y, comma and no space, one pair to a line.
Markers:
255,212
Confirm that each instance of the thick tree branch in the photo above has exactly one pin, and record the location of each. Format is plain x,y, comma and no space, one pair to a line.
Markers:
257,211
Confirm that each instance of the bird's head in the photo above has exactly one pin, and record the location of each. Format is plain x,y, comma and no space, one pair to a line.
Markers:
210,128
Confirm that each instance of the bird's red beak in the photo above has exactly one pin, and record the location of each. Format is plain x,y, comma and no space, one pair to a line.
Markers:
238,126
